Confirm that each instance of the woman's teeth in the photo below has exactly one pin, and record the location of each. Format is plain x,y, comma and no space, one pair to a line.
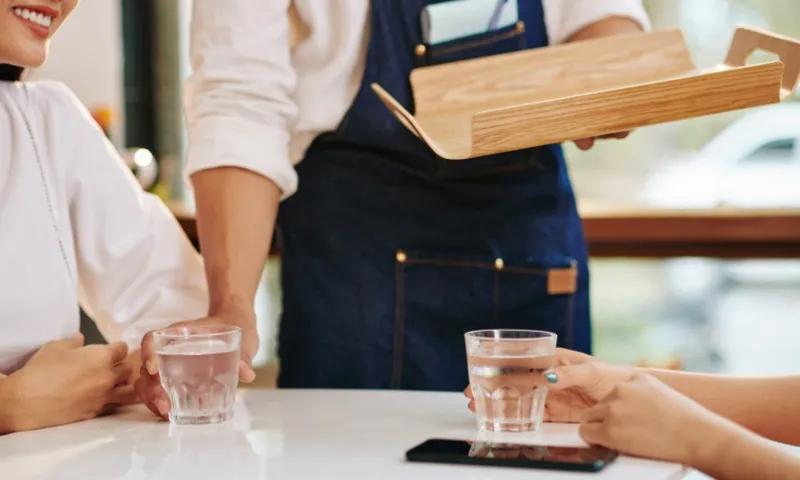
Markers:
35,17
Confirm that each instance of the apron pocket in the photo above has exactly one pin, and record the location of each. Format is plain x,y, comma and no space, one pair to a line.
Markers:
439,297
506,40
538,297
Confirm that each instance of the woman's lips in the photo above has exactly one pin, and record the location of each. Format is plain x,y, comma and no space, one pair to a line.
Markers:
37,19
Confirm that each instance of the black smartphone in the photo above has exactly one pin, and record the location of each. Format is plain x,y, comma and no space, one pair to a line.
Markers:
582,459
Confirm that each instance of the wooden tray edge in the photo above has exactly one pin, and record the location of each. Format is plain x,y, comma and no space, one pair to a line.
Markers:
410,122
646,104
484,137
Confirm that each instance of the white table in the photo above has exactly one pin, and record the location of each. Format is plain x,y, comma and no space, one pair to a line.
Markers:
287,434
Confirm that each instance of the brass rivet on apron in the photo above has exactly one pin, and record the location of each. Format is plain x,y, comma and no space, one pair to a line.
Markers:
499,264
401,256
420,50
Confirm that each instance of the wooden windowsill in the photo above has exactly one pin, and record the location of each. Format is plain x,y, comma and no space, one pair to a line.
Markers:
632,231
635,231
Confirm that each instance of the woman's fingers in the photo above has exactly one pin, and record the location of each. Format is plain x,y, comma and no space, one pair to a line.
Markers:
598,413
579,375
124,395
122,373
593,433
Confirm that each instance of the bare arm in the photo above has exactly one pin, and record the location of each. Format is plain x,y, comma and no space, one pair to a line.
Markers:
768,406
6,406
236,212
645,417
240,109
733,453
239,114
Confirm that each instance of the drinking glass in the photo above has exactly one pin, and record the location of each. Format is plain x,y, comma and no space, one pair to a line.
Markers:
506,374
199,369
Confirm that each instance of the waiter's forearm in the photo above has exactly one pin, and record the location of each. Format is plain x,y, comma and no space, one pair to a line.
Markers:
236,212
606,27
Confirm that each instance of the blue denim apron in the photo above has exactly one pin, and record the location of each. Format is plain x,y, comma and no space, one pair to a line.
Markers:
390,253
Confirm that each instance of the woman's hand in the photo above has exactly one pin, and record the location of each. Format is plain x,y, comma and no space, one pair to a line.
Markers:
133,363
646,418
66,382
576,383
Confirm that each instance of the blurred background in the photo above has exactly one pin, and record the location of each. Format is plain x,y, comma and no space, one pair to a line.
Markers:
127,59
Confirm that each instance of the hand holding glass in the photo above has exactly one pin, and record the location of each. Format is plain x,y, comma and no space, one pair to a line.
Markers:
199,370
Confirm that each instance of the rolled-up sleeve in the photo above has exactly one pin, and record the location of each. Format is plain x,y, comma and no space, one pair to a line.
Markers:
567,17
239,98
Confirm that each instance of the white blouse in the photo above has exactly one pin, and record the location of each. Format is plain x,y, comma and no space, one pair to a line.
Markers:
255,103
76,228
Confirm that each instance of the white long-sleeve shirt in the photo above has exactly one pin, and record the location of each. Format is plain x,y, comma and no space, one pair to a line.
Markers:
76,228
254,102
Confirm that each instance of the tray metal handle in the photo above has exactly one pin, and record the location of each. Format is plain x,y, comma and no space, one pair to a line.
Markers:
746,40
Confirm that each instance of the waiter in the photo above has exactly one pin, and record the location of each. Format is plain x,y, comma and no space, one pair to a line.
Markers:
389,253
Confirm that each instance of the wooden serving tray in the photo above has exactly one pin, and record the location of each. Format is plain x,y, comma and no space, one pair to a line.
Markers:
589,88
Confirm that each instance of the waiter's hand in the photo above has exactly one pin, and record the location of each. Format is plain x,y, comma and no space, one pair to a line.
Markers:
587,143
148,386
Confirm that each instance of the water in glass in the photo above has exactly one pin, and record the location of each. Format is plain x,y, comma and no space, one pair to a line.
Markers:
200,378
506,376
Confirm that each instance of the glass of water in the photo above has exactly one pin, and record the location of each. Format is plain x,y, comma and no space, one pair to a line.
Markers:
199,370
506,374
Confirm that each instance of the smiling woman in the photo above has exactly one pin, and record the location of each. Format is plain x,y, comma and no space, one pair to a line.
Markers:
77,229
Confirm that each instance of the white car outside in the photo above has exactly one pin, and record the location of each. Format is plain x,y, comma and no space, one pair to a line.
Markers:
754,163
